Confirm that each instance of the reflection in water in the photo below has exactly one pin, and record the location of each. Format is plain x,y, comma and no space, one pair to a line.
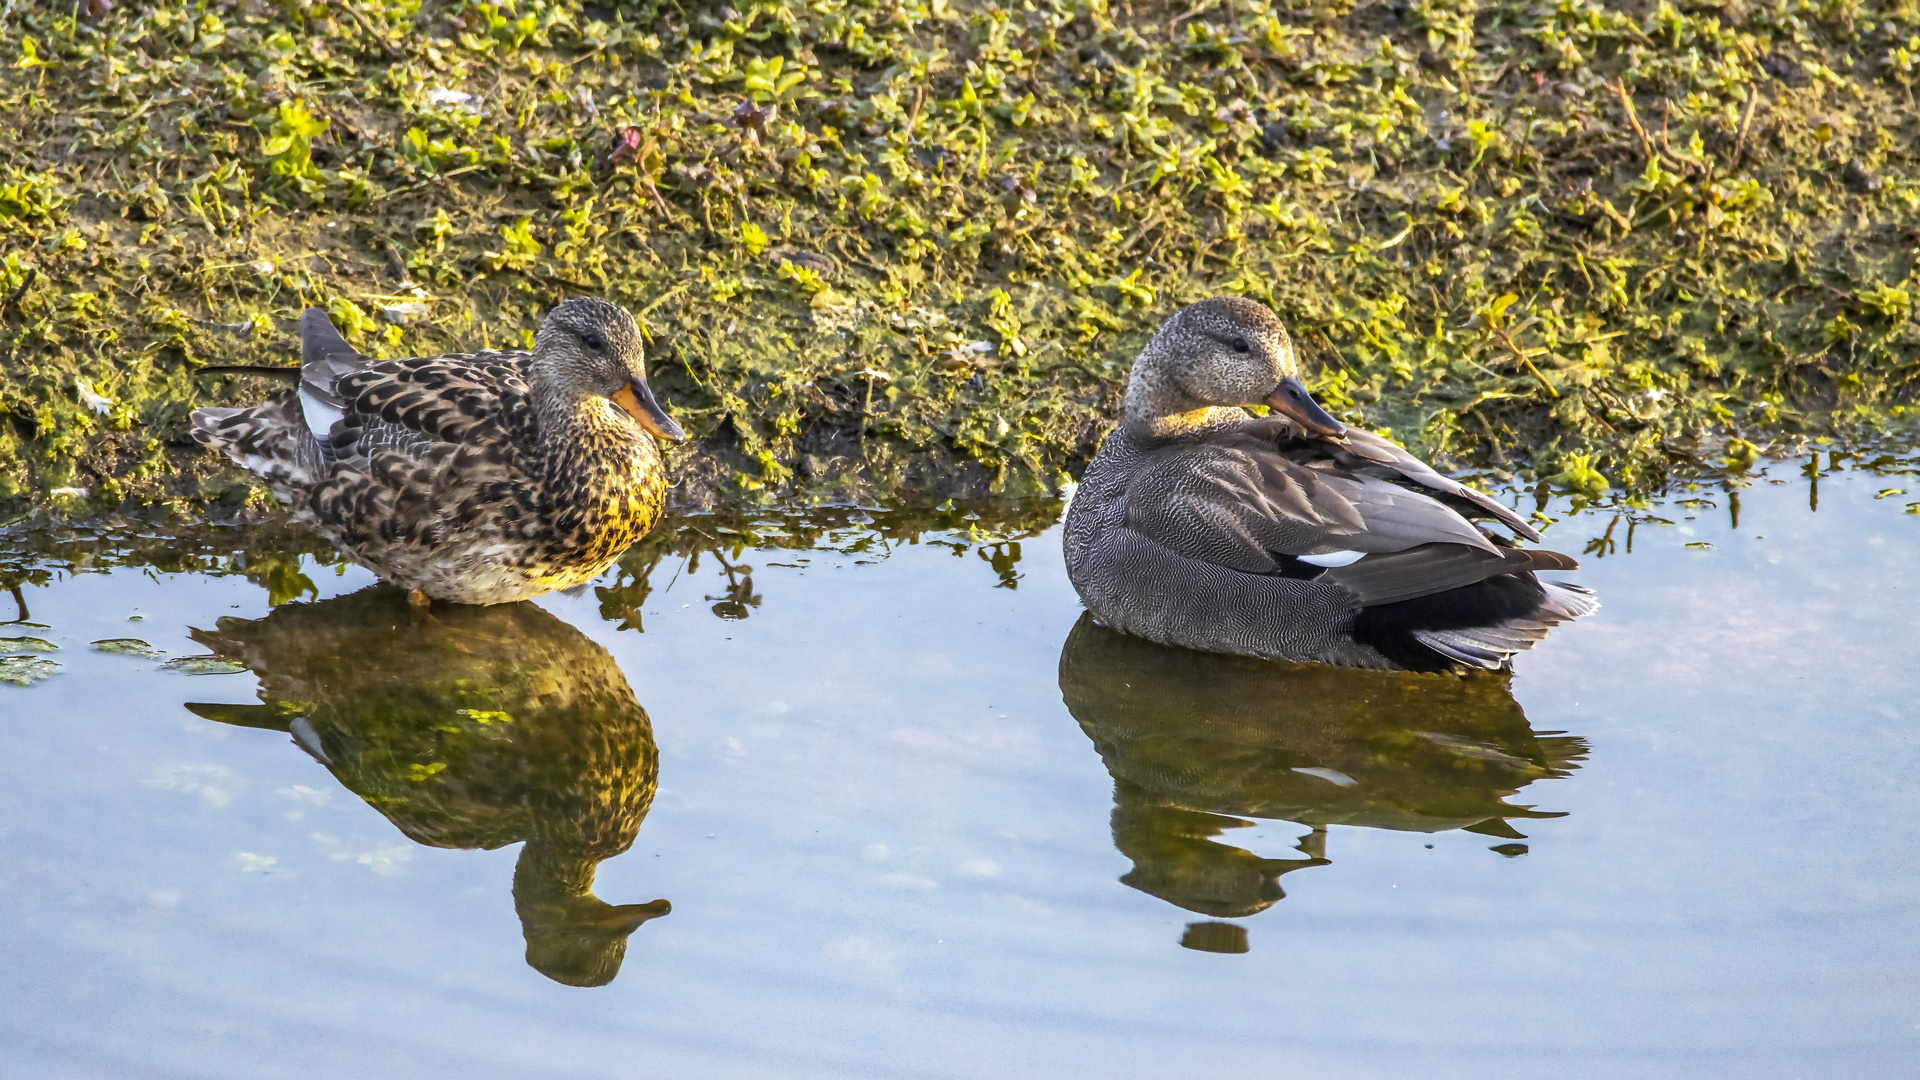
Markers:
470,728
991,529
1196,742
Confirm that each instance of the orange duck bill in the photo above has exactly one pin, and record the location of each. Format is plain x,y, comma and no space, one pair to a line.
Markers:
637,399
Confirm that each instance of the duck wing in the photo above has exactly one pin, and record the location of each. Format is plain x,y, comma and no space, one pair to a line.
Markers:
410,406
429,445
1232,499
357,407
1360,449
1237,499
1437,603
1427,569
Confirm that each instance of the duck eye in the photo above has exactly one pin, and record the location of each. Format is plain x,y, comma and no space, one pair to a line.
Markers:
1240,345
593,340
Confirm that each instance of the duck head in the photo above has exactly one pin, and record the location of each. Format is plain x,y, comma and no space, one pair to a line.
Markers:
589,348
1225,352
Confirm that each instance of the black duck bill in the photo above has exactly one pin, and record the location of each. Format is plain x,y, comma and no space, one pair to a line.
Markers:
1292,399
637,399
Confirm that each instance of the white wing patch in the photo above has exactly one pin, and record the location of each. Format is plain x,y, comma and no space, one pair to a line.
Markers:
1331,776
1333,558
320,415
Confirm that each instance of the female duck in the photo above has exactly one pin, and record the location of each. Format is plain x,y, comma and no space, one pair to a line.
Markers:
1292,536
479,478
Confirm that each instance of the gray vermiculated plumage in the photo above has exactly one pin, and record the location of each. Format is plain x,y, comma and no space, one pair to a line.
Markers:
1198,525
478,477
1198,744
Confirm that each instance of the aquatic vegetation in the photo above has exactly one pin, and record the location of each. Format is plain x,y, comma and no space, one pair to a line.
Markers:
203,665
128,647
26,670
889,245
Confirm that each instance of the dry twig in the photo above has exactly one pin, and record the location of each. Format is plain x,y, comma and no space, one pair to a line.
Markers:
1619,88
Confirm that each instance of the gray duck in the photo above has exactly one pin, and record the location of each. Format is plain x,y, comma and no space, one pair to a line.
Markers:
474,728
478,478
1291,536
1197,745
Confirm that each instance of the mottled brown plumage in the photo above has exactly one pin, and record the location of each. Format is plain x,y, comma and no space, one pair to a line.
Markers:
476,728
1291,536
480,478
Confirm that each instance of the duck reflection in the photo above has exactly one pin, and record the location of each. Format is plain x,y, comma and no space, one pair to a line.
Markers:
1198,742
470,728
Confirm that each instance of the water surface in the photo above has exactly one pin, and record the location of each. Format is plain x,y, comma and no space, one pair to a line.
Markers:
862,794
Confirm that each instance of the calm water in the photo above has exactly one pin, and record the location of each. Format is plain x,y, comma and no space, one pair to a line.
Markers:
913,817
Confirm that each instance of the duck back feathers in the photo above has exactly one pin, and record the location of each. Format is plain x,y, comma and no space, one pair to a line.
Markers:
1217,587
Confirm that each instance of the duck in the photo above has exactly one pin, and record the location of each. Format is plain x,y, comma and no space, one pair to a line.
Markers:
1292,536
474,729
475,478
1198,744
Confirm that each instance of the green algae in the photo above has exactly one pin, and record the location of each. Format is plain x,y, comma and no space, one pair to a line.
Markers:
903,246
128,647
26,670
203,665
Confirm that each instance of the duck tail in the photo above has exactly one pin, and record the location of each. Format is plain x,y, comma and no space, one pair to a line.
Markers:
270,440
285,441
325,357
1480,625
1493,645
1567,601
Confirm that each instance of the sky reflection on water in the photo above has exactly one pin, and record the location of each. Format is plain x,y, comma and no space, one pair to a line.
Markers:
892,848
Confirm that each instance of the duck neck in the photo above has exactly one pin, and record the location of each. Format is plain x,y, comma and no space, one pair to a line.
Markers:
576,433
564,417
592,457
547,874
1157,409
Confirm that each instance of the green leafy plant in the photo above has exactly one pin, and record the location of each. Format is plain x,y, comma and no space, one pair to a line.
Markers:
289,147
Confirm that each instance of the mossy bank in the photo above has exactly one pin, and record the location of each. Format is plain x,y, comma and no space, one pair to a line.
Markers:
912,246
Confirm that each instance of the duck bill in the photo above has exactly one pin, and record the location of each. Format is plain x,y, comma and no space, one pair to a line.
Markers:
1292,400
626,918
637,399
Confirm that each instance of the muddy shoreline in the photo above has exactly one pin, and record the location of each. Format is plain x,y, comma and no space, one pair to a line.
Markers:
907,250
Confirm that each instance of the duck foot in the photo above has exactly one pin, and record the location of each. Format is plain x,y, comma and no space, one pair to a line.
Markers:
419,599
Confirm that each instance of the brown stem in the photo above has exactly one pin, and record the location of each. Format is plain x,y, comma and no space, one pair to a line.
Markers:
361,20
1619,88
1522,357
1746,124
